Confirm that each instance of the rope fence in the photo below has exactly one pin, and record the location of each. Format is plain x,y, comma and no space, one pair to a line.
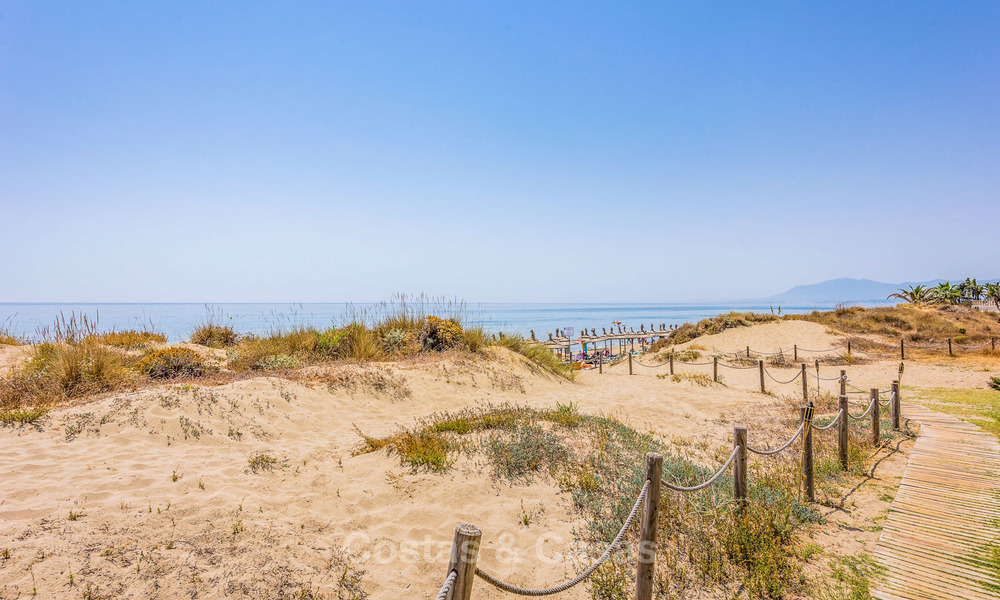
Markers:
462,569
563,345
711,480
773,451
583,575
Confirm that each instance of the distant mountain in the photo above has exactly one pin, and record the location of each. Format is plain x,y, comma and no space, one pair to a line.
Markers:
844,290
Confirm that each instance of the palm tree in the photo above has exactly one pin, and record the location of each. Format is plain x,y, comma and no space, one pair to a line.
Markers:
945,293
970,289
992,293
916,294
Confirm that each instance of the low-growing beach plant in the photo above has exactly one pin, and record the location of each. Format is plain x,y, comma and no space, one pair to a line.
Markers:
262,461
171,363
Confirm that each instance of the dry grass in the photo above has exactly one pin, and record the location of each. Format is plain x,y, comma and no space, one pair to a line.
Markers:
911,323
7,338
713,325
130,339
214,336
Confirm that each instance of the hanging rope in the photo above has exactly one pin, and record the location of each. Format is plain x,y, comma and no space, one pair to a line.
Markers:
711,480
447,585
582,576
798,432
831,423
797,375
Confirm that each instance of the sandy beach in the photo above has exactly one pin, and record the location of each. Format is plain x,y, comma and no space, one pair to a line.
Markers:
151,494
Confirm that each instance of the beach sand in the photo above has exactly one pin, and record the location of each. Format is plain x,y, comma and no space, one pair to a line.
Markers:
168,506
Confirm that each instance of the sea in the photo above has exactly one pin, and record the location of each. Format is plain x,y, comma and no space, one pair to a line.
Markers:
177,320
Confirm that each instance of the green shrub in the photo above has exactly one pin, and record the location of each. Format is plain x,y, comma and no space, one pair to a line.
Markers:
525,450
170,363
440,334
214,336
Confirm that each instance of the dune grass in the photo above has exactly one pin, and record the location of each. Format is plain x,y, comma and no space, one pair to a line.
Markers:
712,325
7,338
130,339
599,461
912,323
74,359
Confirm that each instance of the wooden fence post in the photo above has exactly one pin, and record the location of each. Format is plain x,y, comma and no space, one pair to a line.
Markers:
876,419
647,536
748,352
805,384
464,553
600,361
740,463
760,365
902,350
950,353
843,431
795,356
807,453
818,380
848,346
715,369
843,382
895,405
671,362
993,343
629,363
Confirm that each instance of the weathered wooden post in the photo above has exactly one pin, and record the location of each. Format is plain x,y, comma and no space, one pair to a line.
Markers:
671,362
818,380
950,353
600,361
795,353
629,363
807,453
993,343
760,367
843,382
647,536
715,369
464,553
748,352
740,463
876,419
895,405
805,384
902,350
843,431
848,346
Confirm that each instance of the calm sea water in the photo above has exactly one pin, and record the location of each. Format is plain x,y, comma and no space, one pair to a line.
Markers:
177,321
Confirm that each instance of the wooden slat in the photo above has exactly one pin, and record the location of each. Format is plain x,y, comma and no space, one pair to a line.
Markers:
944,516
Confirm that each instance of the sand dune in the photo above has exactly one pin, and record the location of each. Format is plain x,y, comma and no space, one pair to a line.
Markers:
170,506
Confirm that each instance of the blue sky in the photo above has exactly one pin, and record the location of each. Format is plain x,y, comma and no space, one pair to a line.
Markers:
493,151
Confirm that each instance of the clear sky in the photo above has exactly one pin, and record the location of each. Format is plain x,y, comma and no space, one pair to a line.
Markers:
493,151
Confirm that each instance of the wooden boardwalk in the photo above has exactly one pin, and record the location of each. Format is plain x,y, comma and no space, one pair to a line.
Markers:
944,523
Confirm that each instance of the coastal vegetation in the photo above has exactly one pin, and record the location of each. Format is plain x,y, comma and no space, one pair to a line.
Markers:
706,540
713,325
74,360
950,294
